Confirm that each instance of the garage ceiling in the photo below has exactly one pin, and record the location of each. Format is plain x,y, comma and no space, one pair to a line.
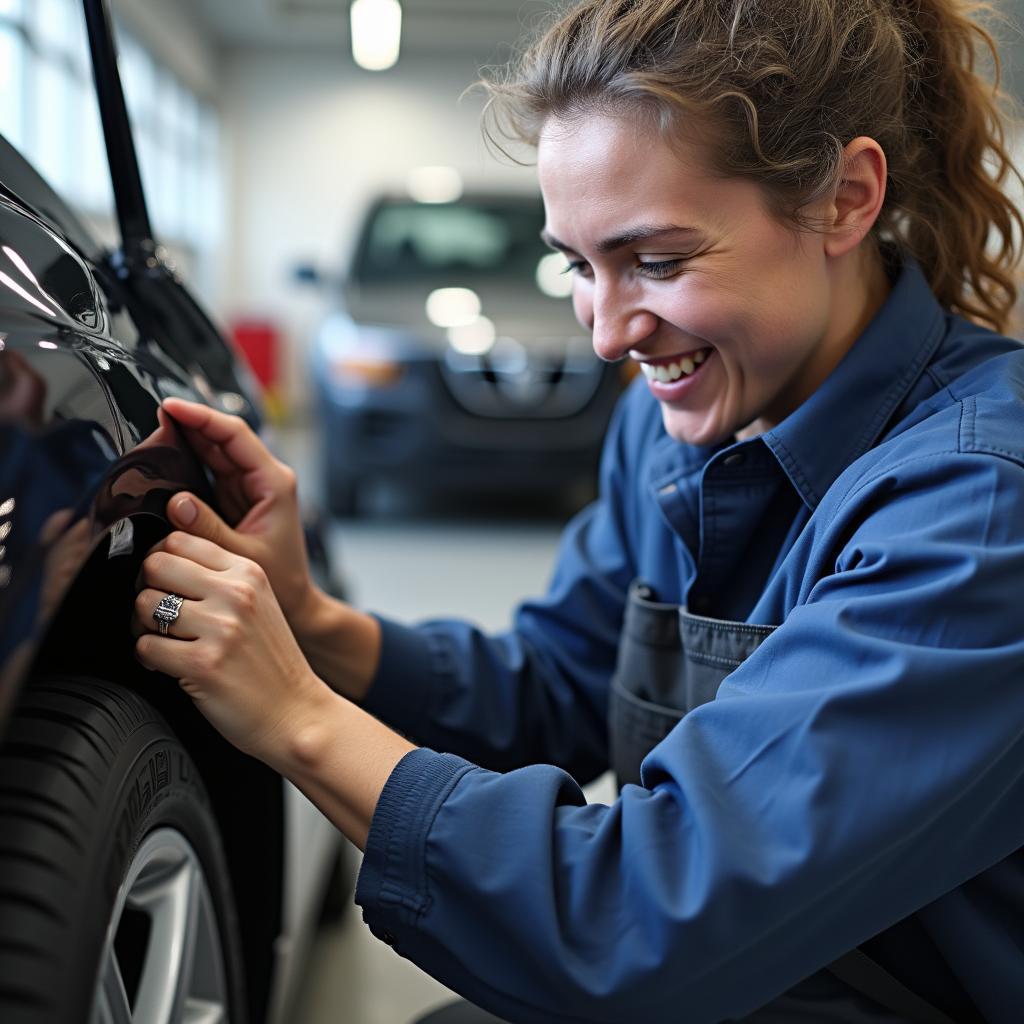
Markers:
477,28
480,29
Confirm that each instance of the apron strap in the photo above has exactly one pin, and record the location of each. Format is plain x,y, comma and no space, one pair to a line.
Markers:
860,972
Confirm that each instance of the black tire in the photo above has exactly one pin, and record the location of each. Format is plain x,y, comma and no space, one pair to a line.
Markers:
90,778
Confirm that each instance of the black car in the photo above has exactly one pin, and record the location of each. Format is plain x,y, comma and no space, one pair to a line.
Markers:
452,361
142,859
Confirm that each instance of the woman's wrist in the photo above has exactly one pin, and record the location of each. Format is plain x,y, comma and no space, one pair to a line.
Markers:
306,607
300,746
341,643
340,757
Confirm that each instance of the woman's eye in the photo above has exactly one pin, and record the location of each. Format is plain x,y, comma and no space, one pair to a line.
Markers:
575,267
661,268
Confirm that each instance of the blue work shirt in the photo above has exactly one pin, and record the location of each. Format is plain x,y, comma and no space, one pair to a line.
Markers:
866,762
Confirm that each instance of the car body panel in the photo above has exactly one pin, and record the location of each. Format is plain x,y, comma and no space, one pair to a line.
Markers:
77,404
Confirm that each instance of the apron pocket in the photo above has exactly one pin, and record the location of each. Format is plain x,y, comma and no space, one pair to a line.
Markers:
636,727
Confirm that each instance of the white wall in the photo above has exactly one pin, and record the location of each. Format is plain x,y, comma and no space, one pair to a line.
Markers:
309,140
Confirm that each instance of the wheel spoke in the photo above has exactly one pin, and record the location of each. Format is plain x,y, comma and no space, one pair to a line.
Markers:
199,1011
171,898
112,1005
180,965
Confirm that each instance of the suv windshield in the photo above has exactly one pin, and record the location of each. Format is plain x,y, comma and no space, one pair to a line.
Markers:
404,240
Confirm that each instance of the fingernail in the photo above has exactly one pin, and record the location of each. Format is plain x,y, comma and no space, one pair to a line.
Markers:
186,511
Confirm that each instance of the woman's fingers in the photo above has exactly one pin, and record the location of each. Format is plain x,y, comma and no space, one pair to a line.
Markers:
165,654
230,434
207,551
241,664
257,514
175,575
213,455
184,627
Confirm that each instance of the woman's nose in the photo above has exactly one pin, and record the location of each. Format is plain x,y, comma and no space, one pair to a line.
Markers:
618,325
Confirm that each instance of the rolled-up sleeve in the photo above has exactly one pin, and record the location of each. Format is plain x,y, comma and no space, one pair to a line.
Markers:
866,760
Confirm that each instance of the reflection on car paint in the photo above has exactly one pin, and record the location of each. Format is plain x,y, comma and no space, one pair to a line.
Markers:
79,465
42,271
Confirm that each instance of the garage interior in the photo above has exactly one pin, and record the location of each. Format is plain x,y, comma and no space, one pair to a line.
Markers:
262,144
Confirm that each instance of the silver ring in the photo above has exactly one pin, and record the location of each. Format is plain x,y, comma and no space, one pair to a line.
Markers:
167,611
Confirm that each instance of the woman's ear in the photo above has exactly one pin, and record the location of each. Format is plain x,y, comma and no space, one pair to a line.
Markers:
858,197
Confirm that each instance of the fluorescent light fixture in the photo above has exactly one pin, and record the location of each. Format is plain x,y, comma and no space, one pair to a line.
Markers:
434,184
552,278
473,339
376,33
453,307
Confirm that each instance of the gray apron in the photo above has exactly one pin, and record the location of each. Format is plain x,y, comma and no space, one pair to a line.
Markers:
670,662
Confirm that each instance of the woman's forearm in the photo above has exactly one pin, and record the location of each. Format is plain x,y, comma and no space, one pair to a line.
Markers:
340,757
341,644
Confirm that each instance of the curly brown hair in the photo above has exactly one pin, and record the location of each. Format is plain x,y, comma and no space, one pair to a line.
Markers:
784,85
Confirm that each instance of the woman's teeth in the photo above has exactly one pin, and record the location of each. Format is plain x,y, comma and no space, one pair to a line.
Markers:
666,372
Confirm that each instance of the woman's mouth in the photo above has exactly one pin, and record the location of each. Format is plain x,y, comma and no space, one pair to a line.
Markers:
671,377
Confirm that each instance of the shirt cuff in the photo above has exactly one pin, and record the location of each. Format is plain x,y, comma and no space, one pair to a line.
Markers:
392,883
411,678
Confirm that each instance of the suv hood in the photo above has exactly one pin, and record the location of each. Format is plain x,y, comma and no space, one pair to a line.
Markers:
543,323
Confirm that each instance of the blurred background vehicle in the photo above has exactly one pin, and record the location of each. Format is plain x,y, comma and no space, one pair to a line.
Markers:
451,361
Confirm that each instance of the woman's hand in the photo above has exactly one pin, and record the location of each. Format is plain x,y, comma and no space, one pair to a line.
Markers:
258,496
234,655
230,646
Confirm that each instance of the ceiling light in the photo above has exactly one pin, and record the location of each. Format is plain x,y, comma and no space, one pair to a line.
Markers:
452,307
473,339
552,278
376,33
434,184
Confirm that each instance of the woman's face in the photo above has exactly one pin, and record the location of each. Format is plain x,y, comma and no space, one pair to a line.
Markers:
728,311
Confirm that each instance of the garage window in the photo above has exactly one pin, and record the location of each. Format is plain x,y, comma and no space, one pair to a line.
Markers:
12,52
48,110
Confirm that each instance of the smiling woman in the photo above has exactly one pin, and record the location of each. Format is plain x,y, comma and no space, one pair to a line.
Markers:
787,621
764,312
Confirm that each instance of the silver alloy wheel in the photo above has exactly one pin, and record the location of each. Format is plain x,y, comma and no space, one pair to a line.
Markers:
180,968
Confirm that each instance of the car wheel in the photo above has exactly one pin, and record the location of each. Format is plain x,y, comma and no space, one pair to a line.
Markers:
115,902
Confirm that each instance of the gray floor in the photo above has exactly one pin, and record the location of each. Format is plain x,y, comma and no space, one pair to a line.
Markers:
410,565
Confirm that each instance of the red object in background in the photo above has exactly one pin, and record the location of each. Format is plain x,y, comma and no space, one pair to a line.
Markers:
260,342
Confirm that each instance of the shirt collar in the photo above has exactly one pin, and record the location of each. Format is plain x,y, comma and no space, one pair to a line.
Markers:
850,409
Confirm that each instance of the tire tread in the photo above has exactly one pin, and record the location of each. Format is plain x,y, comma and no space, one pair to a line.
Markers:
62,772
